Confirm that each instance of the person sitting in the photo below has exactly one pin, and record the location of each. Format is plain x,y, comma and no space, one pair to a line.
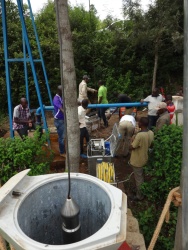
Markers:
164,116
22,121
82,123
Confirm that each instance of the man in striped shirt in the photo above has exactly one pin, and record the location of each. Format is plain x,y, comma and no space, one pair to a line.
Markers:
22,121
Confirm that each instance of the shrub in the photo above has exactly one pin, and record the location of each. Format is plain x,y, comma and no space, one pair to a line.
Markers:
17,155
162,175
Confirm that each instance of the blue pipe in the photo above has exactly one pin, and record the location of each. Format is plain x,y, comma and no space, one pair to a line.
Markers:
7,70
112,105
109,105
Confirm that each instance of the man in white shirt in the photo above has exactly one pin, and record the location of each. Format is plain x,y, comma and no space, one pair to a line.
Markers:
153,100
82,123
83,89
127,126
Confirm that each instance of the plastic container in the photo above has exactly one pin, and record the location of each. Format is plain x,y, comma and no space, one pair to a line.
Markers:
107,148
134,112
105,171
122,112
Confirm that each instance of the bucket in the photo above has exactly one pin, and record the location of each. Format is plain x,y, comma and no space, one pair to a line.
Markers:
107,147
122,112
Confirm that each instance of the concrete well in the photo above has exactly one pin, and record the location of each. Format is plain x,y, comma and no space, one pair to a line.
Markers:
30,212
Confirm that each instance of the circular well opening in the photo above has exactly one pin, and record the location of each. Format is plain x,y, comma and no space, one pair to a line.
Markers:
39,215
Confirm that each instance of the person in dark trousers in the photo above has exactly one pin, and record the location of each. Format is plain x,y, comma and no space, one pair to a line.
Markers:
22,121
82,123
123,98
102,99
153,100
139,154
59,119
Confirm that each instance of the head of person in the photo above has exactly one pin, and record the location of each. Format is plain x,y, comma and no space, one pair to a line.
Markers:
59,90
100,83
85,103
180,92
86,78
143,122
155,92
79,102
168,99
161,108
24,102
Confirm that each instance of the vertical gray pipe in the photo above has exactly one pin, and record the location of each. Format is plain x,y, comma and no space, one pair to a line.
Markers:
184,173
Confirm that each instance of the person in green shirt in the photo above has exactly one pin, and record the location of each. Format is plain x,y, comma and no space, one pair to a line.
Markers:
102,99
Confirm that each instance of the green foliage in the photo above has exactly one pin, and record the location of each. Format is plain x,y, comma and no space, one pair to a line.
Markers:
162,175
3,119
17,155
119,52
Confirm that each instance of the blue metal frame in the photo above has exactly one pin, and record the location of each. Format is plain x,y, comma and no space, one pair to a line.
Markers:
7,70
27,58
40,53
20,9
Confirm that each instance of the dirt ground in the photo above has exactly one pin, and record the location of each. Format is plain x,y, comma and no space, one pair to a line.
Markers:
123,172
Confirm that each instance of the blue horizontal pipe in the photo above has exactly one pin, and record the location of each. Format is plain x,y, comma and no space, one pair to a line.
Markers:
109,105
22,60
113,105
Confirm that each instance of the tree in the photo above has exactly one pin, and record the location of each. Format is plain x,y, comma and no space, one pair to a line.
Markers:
164,23
68,81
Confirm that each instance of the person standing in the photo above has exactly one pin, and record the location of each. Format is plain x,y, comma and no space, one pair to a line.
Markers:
22,121
83,89
139,154
123,98
59,119
164,116
170,107
126,128
102,99
153,100
82,123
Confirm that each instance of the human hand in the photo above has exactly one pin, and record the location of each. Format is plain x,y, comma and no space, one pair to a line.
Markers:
30,123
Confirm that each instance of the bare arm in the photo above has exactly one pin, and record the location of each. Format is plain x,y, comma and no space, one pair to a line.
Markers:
100,99
91,90
62,110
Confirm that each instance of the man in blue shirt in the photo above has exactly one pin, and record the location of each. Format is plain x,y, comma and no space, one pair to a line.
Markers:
59,119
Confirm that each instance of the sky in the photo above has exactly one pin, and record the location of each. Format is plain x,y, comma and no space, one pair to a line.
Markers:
104,7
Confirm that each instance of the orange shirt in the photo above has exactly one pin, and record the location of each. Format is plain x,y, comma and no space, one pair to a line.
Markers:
171,109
